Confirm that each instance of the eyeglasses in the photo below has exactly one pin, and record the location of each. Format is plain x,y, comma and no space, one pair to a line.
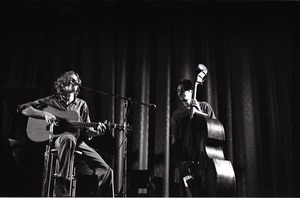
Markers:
72,81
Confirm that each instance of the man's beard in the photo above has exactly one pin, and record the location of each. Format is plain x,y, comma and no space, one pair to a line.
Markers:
66,93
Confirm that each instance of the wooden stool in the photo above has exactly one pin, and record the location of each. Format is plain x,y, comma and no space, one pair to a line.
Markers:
51,173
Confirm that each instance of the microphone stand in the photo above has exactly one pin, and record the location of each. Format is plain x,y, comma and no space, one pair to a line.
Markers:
125,130
125,149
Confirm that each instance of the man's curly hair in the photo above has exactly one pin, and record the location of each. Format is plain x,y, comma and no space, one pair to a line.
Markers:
64,79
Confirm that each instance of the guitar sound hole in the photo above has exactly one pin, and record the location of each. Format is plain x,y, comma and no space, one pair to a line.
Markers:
64,126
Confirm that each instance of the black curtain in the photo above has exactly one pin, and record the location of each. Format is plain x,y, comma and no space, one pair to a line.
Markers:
139,50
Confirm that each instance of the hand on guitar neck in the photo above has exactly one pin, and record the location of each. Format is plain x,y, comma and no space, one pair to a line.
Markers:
96,131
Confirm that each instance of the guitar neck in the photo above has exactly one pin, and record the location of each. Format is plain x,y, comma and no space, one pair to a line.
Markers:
83,125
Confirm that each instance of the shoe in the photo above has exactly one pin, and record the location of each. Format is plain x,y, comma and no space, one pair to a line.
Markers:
60,188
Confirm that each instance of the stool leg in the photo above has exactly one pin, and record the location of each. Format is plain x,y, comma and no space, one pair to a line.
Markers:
55,175
74,180
46,172
113,184
51,174
72,175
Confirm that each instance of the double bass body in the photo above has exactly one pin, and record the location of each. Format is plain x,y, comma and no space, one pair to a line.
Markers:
206,169
220,176
212,174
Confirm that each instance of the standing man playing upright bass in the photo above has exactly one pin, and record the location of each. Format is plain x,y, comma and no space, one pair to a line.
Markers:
66,99
181,144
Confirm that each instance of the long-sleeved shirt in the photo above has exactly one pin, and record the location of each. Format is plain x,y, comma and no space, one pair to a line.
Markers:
186,141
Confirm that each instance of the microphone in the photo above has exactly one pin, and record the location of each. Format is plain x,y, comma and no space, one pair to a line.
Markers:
152,106
202,72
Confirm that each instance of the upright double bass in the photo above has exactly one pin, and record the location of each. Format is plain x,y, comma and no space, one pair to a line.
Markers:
209,173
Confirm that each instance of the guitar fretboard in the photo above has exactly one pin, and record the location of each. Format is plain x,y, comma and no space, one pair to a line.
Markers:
82,125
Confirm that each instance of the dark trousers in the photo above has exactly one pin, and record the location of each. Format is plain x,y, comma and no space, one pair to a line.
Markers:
192,179
66,145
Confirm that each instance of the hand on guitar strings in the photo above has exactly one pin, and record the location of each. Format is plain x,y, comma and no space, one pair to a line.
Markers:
49,117
97,131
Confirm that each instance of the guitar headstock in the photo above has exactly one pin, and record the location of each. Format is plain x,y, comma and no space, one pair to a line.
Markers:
123,127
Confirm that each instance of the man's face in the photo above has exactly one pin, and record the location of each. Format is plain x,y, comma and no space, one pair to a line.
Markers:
184,95
72,85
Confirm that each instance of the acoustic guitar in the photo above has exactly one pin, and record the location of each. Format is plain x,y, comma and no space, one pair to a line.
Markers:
67,122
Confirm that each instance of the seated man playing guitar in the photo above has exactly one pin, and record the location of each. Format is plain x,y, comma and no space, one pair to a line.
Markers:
65,100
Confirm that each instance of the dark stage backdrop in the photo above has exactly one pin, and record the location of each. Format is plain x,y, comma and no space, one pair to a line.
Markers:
139,50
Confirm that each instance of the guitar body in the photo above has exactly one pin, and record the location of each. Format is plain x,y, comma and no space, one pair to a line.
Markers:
37,128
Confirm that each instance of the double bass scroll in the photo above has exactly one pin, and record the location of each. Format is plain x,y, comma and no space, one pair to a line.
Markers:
201,76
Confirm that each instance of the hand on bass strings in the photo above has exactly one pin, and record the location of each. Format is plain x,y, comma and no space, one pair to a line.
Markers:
197,109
